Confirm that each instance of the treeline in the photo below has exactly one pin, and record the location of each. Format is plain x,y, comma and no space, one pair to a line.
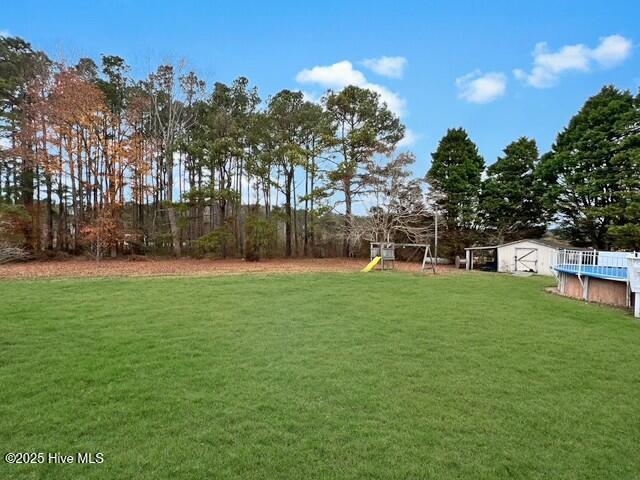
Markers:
586,190
92,160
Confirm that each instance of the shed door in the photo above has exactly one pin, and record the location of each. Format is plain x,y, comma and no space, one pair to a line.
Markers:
526,260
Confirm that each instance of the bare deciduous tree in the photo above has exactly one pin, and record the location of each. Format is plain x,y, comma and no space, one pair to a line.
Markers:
171,94
398,211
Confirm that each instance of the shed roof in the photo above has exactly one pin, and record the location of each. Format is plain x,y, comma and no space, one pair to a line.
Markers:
539,241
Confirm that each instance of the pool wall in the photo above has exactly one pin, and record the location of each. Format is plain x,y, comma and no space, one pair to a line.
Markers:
610,292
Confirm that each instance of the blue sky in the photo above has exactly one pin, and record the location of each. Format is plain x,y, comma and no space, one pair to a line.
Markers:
451,63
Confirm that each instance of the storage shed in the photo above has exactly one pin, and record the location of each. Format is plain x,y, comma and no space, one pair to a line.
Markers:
527,255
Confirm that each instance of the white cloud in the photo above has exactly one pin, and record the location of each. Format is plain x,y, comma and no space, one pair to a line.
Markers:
342,74
337,76
409,139
476,87
392,67
549,65
5,33
612,50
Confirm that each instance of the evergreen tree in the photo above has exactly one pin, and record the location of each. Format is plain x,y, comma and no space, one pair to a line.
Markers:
585,174
20,66
285,112
455,179
510,202
625,234
364,127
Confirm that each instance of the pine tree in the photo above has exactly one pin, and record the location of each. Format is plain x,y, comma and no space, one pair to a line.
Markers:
364,127
625,234
510,202
585,174
455,179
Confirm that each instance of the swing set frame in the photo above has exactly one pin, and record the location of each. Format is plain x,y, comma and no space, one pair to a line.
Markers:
387,253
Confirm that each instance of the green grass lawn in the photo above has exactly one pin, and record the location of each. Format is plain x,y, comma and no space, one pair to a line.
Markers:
384,375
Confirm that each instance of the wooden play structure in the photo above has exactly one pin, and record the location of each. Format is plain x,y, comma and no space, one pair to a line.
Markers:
384,254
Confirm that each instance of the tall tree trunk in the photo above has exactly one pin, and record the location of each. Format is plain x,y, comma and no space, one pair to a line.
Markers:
26,186
239,223
222,209
311,206
348,216
287,209
49,245
306,210
296,234
74,199
61,234
173,223
37,230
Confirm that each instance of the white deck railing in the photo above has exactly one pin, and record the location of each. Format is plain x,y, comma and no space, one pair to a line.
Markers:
621,266
594,262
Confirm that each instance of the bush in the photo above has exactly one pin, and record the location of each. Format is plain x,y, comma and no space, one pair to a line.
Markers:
13,220
260,235
103,232
218,241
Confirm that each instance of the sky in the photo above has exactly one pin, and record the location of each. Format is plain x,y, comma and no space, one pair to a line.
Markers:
500,69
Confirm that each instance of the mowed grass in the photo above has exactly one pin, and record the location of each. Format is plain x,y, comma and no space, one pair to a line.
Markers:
384,375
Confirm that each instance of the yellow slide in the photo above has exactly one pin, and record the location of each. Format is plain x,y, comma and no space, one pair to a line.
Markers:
372,264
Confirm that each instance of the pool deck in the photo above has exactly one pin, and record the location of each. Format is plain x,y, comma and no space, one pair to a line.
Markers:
597,271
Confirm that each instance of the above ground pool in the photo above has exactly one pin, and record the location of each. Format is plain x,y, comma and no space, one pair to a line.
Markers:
597,271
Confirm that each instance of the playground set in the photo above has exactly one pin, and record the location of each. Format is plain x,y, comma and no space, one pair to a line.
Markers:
384,255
